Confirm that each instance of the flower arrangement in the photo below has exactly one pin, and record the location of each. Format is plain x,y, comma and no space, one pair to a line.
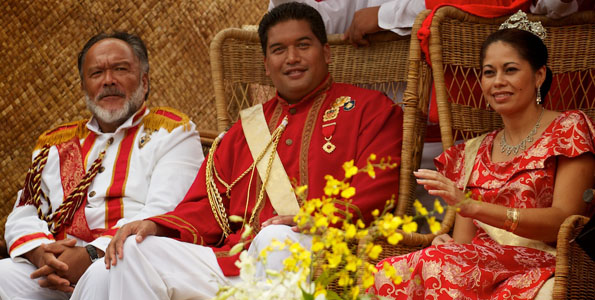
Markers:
341,246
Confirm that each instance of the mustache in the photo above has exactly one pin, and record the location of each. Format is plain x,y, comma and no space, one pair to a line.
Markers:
109,91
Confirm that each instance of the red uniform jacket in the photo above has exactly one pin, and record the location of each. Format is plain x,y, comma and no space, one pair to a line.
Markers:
373,125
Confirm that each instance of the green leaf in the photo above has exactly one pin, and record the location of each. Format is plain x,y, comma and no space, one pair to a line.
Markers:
332,295
306,295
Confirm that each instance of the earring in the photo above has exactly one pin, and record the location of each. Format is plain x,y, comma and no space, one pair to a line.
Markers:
538,98
487,105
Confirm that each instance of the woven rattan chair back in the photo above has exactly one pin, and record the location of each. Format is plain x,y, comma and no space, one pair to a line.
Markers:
415,116
455,40
240,81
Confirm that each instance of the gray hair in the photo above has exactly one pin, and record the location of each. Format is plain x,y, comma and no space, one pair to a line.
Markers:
136,43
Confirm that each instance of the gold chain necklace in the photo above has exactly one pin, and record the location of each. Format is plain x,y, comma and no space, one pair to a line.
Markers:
506,148
215,200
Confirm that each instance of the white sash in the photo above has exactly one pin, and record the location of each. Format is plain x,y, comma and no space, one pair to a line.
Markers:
278,187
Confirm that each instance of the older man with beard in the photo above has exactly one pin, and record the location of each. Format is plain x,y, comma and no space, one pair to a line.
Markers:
90,177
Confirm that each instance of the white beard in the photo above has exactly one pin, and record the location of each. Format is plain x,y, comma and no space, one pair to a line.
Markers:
117,116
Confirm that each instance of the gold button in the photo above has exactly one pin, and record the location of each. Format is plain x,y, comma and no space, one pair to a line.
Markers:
110,141
92,193
293,110
288,142
101,169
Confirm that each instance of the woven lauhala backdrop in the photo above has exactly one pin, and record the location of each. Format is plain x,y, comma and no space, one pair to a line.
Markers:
39,82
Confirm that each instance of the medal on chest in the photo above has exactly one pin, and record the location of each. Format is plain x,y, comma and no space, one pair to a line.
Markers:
144,139
329,117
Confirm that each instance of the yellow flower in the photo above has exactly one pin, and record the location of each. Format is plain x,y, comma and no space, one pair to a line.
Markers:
321,222
397,279
420,208
317,246
372,157
295,248
289,263
362,233
264,252
328,209
333,260
350,231
395,238
434,225
348,192
389,270
320,291
360,223
408,225
305,256
375,251
368,280
332,187
375,213
354,292
417,204
344,279
370,170
370,268
438,206
352,263
301,190
350,169
275,244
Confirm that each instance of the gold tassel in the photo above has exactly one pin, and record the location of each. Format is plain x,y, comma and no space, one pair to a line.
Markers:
156,119
62,133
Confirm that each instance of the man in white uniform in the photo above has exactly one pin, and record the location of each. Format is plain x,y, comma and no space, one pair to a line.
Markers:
90,177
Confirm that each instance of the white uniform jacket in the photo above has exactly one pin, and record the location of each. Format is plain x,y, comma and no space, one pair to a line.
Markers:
146,171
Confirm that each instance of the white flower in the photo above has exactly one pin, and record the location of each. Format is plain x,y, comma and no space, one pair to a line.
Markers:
275,286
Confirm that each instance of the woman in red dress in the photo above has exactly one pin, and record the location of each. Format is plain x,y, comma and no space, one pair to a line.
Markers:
529,176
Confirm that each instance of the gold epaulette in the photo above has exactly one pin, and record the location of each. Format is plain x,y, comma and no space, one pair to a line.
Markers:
166,117
62,133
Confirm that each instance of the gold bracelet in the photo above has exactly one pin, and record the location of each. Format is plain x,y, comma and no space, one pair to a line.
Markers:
512,219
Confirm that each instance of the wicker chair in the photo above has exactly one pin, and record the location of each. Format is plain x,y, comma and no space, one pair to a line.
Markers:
455,41
240,81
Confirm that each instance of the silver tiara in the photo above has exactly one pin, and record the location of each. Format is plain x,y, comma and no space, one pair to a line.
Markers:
519,21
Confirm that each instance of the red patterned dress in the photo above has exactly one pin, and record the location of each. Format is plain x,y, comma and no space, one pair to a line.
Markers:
485,269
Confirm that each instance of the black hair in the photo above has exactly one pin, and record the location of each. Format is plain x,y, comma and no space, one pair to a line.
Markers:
291,11
135,42
529,46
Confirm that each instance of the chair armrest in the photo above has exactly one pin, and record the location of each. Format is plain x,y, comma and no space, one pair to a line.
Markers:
574,275
206,139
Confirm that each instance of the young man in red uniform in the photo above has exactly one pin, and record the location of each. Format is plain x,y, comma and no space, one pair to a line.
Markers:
315,124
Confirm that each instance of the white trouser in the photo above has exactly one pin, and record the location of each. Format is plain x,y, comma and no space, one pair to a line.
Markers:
15,282
163,268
